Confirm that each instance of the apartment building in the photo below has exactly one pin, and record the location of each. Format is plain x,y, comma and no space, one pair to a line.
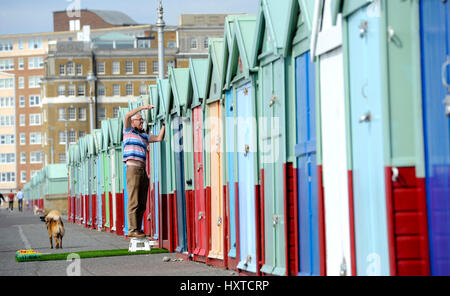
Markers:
8,170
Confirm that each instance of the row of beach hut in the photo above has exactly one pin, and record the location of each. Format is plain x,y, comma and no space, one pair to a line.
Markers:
314,140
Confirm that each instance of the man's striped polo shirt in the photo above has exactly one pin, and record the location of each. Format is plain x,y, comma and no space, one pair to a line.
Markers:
134,145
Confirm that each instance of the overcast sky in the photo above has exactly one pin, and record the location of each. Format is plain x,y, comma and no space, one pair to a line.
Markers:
35,16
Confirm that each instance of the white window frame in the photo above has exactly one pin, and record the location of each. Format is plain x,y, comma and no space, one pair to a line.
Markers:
115,68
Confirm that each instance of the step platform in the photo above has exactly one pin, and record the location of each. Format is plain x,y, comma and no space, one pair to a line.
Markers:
140,244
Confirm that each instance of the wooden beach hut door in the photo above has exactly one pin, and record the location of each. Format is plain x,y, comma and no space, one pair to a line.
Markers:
200,201
305,151
435,31
273,142
246,176
113,215
216,250
369,191
230,128
179,182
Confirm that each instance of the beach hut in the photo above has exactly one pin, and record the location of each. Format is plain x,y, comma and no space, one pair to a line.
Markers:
71,184
276,133
92,179
168,221
181,92
240,96
98,138
77,183
106,184
198,73
333,164
230,198
84,181
435,38
213,145
383,90
55,187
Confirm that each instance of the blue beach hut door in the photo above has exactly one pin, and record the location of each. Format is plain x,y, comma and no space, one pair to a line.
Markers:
179,176
372,257
154,170
246,176
305,151
435,29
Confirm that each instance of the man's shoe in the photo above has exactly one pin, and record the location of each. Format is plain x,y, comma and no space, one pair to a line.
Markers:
136,234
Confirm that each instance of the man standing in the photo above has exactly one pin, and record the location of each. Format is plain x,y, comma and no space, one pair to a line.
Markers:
135,143
11,201
20,199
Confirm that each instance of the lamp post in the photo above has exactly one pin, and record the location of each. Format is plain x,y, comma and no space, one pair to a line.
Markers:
160,24
91,81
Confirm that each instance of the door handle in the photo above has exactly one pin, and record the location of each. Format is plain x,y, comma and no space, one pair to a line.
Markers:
247,149
391,34
363,29
365,118
219,221
444,74
272,101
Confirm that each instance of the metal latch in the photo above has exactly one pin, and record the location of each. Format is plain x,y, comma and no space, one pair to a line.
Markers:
199,166
363,29
200,215
272,101
247,149
365,118
219,221
275,219
248,260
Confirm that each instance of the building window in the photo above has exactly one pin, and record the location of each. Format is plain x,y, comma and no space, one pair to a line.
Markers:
7,102
143,43
80,90
36,157
21,82
21,64
6,139
35,119
74,25
116,67
62,137
155,66
170,63
72,137
79,69
129,67
81,134
193,43
6,64
70,68
62,158
82,114
142,89
72,113
20,44
61,114
23,139
35,44
205,42
22,119
7,158
142,67
116,112
62,69
23,157
129,89
35,138
23,176
7,83
101,68
171,44
101,113
61,90
34,81
34,100
71,90
6,120
35,63
116,90
7,177
101,90
22,101
6,46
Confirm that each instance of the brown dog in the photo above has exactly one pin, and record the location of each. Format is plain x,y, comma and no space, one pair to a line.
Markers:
55,227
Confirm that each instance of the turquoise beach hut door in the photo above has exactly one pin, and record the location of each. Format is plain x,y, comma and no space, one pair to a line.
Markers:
372,257
230,124
435,31
246,175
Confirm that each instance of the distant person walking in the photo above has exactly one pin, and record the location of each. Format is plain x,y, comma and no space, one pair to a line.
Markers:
135,143
11,201
20,199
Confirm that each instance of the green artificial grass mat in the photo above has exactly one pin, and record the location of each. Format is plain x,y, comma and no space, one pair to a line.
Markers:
91,254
